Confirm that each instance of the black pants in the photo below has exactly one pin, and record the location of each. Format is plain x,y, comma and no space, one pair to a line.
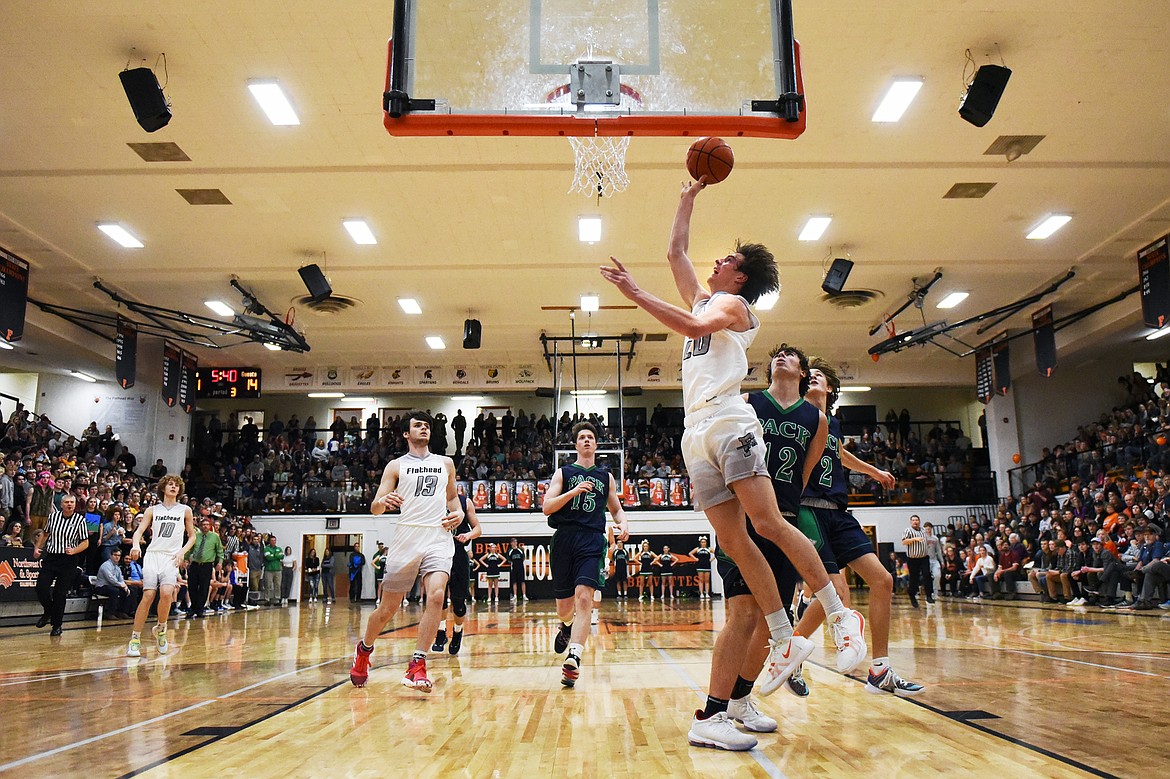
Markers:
199,584
920,575
119,598
58,573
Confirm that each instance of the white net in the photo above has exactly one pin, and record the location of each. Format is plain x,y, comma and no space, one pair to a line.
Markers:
600,165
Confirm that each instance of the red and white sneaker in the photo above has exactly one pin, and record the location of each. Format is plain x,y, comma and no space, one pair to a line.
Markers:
416,676
359,673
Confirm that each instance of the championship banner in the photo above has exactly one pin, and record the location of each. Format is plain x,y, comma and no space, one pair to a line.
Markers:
460,376
397,377
126,353
1001,358
299,377
171,368
653,375
13,296
1154,277
846,371
427,375
187,382
984,375
1044,336
363,376
331,377
524,375
493,376
755,374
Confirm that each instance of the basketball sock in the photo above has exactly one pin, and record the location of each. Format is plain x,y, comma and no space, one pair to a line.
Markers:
829,598
742,688
457,629
418,655
714,706
880,664
442,624
576,649
779,626
135,634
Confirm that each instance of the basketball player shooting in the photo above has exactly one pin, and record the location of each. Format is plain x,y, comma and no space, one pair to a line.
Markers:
722,448
421,486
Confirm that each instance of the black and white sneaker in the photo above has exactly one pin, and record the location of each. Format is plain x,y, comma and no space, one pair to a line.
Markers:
440,641
796,683
561,643
456,642
570,670
892,683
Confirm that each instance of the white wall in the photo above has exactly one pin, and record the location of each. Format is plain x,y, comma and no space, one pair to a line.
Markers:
20,385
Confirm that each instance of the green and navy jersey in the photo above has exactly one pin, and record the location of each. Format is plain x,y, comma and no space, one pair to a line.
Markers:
788,433
828,477
587,510
621,558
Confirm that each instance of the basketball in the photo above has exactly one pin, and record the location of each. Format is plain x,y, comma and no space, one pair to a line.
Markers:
710,157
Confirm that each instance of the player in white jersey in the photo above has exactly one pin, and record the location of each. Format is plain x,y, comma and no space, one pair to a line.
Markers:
421,486
167,522
723,449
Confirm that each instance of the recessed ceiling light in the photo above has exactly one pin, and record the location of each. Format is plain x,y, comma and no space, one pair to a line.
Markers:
815,227
409,305
274,102
326,394
121,235
1154,336
83,376
952,300
859,388
271,347
360,232
899,97
5,345
767,301
589,228
219,307
436,342
590,302
595,393
1049,226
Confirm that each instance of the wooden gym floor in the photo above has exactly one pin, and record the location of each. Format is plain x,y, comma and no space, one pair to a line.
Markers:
1015,690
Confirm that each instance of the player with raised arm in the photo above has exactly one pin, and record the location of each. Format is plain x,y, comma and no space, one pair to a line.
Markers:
576,501
166,522
723,453
421,487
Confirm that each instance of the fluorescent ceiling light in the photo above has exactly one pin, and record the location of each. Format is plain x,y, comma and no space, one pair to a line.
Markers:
271,346
360,232
899,97
5,345
859,388
326,394
274,102
590,302
1049,226
121,235
596,393
83,376
952,300
1154,336
409,305
219,307
467,398
767,301
815,227
589,228
436,342
361,400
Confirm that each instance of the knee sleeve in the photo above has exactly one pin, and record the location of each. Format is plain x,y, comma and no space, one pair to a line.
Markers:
459,608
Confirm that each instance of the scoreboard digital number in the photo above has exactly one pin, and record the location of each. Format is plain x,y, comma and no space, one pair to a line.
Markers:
228,383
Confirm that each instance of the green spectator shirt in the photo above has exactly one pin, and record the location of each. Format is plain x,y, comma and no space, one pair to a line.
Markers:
273,557
208,547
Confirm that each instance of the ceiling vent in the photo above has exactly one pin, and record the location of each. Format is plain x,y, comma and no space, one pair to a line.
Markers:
852,298
160,152
655,337
971,190
204,197
1013,146
334,304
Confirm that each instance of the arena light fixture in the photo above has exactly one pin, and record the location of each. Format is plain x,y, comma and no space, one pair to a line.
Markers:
360,232
120,235
857,388
588,393
271,347
326,394
589,228
436,342
83,376
815,227
1154,336
274,102
1050,225
219,307
899,97
767,301
5,345
952,300
409,305
467,398
590,302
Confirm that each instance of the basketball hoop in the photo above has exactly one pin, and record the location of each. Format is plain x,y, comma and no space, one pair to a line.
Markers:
600,165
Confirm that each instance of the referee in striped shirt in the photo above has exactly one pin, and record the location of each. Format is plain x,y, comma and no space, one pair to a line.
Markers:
61,545
916,560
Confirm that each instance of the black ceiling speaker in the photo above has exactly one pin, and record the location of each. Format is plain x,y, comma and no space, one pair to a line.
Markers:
835,279
471,333
146,98
315,282
545,392
984,93
631,392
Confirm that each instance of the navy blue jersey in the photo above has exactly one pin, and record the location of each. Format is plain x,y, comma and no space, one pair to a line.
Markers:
585,511
828,477
788,433
465,525
620,557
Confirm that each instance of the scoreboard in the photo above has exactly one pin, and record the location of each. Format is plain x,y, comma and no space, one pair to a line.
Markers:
228,383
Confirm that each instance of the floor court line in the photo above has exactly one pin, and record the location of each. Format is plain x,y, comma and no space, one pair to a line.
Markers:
1065,659
85,742
770,768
